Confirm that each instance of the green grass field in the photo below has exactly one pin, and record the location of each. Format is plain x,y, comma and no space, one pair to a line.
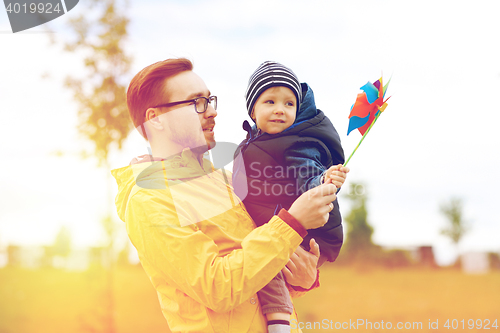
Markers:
53,301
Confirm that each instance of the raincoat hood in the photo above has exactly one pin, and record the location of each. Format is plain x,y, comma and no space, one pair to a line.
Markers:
126,181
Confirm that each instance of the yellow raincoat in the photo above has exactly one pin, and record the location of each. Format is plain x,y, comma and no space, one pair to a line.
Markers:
199,246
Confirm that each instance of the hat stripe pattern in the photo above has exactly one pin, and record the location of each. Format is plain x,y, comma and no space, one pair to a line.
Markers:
271,74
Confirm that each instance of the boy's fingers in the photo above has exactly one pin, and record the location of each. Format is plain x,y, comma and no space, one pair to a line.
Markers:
337,180
338,174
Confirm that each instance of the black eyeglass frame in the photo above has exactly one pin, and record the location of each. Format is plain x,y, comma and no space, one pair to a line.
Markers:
208,100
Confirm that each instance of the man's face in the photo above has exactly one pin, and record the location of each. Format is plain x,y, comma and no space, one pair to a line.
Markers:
184,125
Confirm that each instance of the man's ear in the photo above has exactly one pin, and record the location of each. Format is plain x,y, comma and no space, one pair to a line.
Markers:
152,117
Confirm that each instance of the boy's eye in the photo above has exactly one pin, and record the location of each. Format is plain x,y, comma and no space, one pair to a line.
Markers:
289,104
269,102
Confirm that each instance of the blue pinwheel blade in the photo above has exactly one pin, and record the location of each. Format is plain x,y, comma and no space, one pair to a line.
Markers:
356,122
371,92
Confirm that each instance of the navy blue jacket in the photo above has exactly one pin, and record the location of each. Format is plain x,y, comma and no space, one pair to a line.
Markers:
271,170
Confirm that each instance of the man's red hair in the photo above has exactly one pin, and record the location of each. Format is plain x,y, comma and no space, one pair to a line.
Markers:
146,88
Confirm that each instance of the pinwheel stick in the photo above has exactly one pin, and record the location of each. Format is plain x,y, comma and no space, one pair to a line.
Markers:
364,135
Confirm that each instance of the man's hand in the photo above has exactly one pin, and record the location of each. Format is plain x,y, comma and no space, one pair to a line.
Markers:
311,209
301,268
336,175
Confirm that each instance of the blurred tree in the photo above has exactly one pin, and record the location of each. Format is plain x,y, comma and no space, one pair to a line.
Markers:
62,243
123,256
457,226
100,35
110,229
359,245
13,255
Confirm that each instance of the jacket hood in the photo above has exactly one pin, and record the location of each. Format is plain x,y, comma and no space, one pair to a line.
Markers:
125,179
308,106
144,172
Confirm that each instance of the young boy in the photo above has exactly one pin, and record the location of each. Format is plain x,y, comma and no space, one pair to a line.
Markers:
293,147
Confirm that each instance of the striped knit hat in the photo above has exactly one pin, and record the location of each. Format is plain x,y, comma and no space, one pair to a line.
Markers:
271,74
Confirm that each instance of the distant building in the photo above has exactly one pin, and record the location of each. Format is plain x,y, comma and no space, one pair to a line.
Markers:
77,260
4,259
494,260
424,255
25,256
34,257
475,262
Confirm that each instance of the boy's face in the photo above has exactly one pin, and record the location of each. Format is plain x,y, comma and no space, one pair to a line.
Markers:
275,110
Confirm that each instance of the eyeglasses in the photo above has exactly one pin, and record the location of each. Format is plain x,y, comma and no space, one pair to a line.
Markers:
200,103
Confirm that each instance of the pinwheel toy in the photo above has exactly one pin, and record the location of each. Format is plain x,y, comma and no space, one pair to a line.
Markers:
365,111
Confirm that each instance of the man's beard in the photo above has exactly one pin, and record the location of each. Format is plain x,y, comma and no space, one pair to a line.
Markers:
195,142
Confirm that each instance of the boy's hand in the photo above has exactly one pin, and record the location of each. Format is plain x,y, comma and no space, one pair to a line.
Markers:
336,175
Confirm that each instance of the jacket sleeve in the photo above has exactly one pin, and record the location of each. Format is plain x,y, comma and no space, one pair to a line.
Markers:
307,158
187,259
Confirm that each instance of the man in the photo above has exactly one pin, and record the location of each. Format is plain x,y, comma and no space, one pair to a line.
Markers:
194,237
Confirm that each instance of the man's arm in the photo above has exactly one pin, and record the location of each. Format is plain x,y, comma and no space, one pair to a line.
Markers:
190,261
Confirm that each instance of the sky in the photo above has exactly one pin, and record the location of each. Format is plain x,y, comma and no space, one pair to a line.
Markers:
436,140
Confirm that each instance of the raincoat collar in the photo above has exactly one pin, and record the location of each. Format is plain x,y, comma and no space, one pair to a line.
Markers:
151,172
179,166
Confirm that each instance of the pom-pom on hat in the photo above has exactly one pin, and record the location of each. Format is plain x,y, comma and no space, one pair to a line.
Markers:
271,74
